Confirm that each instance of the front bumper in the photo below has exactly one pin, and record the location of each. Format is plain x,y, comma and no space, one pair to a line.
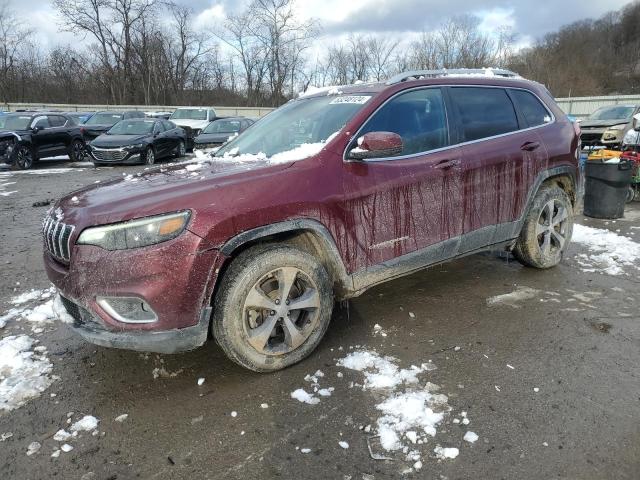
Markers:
167,341
175,278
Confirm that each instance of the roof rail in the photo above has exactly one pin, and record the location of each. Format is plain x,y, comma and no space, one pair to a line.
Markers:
445,72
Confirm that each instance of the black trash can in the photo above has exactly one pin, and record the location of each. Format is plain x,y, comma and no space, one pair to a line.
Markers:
606,188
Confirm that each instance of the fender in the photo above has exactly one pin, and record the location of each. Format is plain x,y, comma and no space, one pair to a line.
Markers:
343,280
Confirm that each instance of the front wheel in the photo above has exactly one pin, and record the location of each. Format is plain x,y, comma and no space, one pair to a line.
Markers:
547,229
273,307
181,150
149,156
23,159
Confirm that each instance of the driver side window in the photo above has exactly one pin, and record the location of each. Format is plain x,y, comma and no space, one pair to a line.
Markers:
41,122
418,116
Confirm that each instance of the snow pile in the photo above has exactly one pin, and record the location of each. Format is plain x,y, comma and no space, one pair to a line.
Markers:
24,374
313,90
443,453
87,423
608,252
42,313
305,397
310,398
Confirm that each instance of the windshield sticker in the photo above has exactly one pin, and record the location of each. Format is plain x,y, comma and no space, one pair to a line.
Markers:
357,99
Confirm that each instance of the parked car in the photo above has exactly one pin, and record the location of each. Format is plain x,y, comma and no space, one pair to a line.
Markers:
100,122
325,197
220,131
161,115
607,126
28,137
138,141
193,120
79,117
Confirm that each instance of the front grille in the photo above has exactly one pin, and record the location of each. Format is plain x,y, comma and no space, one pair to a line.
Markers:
108,155
81,316
57,238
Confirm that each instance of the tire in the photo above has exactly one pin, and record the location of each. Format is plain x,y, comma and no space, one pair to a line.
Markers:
631,194
181,151
23,158
542,244
241,330
149,156
77,151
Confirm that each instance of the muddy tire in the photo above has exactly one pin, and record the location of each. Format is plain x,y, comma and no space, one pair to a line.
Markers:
273,307
547,229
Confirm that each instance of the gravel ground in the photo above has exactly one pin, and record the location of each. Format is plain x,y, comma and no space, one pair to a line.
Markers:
549,379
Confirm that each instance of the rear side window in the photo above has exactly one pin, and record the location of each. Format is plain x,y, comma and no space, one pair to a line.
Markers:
483,112
531,108
418,116
42,122
57,121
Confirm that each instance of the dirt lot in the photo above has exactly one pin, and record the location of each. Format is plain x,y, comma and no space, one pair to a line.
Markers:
548,376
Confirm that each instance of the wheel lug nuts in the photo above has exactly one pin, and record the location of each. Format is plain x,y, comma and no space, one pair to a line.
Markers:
277,301
273,312
287,302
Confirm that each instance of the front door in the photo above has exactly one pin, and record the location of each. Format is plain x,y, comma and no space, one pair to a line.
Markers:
403,204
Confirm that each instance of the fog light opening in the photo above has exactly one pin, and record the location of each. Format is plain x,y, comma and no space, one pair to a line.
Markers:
128,309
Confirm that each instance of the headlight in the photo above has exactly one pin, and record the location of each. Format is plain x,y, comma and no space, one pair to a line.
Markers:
618,127
136,233
136,146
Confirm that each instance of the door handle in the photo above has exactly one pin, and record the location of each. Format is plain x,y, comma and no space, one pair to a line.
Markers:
530,146
447,164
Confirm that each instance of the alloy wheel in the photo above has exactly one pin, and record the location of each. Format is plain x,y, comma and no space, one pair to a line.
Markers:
78,151
182,151
281,311
149,157
24,158
551,229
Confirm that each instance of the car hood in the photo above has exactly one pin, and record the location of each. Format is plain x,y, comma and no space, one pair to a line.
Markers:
107,141
193,124
213,137
161,190
603,123
96,128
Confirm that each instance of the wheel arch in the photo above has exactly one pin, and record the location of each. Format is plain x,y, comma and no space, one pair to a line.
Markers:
308,235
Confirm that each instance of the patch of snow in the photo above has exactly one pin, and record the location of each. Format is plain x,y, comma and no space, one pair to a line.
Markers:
305,450
122,418
6,436
85,424
303,396
264,405
343,444
380,372
608,253
445,452
33,447
62,435
512,299
234,414
66,448
24,374
470,437
200,381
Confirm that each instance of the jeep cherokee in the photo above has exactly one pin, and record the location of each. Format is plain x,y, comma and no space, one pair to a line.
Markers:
328,195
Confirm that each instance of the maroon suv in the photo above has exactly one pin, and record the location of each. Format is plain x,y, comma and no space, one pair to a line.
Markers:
325,197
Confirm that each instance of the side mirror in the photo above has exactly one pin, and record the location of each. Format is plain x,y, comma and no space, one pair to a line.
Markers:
36,128
376,145
636,122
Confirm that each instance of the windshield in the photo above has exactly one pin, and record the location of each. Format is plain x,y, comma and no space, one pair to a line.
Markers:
307,121
104,119
190,114
223,126
132,127
15,122
618,112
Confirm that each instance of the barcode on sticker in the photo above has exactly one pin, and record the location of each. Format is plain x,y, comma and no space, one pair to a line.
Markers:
358,99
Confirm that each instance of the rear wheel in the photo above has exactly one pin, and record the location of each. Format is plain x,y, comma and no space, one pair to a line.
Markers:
77,151
547,230
23,159
273,308
631,194
149,156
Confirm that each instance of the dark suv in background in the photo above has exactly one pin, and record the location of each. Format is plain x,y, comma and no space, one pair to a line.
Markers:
27,137
100,122
323,198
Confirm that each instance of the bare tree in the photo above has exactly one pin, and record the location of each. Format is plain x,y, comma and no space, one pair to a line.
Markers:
13,37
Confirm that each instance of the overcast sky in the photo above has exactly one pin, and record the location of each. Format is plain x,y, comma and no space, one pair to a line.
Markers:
530,19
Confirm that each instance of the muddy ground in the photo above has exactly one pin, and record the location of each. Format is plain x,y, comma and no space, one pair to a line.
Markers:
577,341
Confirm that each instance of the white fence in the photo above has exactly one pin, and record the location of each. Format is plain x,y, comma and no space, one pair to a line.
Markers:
580,107
577,106
222,111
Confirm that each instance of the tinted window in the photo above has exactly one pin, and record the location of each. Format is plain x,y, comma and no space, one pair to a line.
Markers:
41,122
532,110
57,120
168,125
419,117
483,112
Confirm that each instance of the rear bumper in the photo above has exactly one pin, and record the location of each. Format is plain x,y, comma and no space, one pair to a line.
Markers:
167,341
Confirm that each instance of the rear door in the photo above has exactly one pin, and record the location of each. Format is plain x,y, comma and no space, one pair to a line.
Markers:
406,203
500,157
43,140
172,133
61,133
